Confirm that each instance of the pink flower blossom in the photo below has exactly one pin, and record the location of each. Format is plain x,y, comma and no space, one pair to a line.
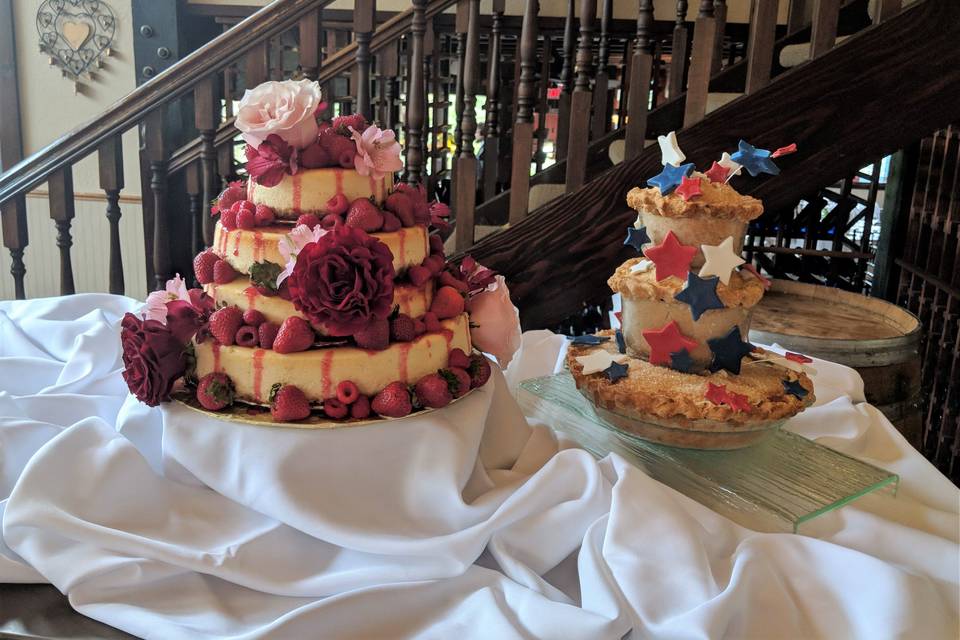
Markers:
495,322
156,305
378,152
271,161
294,242
283,108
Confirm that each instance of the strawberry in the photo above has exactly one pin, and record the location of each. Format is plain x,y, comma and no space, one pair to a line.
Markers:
335,409
402,328
479,370
246,219
457,379
264,291
203,266
223,273
419,275
314,157
393,401
364,215
458,359
253,318
436,245
435,263
309,219
228,219
263,215
361,408
347,392
447,303
431,323
247,336
267,334
418,327
294,335
449,280
330,221
288,403
400,204
338,205
391,222
376,335
215,391
224,324
432,391
233,193
343,123
243,205
342,150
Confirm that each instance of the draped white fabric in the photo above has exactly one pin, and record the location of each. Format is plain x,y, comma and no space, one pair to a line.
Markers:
462,523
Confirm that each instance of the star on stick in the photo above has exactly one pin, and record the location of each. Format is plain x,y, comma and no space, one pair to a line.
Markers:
615,371
700,294
721,260
669,179
783,151
670,257
728,351
621,343
797,357
717,172
589,340
689,188
755,161
666,341
670,152
733,168
636,238
795,389
599,360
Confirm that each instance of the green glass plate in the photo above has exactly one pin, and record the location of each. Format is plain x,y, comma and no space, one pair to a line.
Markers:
775,485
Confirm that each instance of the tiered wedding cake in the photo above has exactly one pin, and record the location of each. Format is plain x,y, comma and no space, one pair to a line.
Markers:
680,370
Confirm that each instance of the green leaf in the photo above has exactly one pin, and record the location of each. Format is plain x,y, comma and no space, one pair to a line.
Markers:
264,274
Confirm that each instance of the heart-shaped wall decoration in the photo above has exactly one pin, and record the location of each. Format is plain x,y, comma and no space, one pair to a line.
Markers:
76,34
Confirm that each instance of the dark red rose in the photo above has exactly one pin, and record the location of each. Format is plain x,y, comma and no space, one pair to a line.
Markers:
273,159
343,281
183,320
153,359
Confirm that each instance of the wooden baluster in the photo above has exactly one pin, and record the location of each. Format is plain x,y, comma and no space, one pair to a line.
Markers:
225,168
763,25
566,82
389,68
156,152
601,91
194,182
640,69
796,15
13,212
678,55
438,114
460,27
309,48
466,192
276,71
523,123
886,8
824,30
60,184
491,140
543,105
229,77
13,216
415,102
257,64
426,140
720,16
110,161
581,100
364,22
206,115
625,71
701,61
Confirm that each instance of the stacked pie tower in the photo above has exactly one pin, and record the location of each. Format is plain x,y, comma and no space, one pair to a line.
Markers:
680,370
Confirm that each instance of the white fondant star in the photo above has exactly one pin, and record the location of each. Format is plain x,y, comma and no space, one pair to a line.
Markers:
670,152
643,265
720,259
734,167
777,359
638,224
599,360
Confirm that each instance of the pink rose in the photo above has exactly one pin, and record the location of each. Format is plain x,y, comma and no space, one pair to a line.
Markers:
294,242
283,108
378,152
495,322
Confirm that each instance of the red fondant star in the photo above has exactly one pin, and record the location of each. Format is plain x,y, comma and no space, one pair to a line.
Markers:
797,357
717,172
665,341
718,394
670,257
782,151
689,187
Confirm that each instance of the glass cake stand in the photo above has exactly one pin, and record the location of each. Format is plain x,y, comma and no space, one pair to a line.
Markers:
778,484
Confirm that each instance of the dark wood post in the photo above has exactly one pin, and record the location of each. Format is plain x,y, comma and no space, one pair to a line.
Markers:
523,124
156,152
640,69
466,192
491,140
389,68
601,92
678,56
309,49
796,15
886,8
763,25
13,212
701,61
194,183
364,22
566,80
720,15
62,213
543,104
460,28
258,64
824,30
581,100
415,102
110,160
206,114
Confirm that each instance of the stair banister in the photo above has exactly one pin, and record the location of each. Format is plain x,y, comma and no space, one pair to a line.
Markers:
523,123
581,100
364,22
415,101
678,54
641,68
601,90
701,62
566,81
466,162
491,138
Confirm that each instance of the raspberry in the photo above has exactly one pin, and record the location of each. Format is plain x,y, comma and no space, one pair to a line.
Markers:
309,219
330,221
418,327
347,392
338,205
246,219
436,245
431,323
419,275
361,408
376,335
228,219
203,266
243,205
263,215
335,409
435,263
458,359
268,333
253,318
234,192
247,336
402,328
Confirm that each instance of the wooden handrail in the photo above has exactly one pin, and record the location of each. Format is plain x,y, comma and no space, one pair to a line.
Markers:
270,21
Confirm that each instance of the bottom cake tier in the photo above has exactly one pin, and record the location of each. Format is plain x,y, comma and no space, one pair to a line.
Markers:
317,372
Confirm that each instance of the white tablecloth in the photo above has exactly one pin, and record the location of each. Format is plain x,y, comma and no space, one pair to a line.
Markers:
462,523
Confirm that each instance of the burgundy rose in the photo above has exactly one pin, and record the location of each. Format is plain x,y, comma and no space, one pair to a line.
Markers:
343,281
183,320
153,359
273,159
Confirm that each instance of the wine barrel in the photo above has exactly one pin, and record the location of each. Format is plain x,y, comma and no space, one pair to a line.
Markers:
878,339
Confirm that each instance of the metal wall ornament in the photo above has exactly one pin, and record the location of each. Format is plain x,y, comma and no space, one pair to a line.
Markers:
76,35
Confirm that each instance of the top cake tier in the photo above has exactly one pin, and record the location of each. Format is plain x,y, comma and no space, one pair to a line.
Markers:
315,190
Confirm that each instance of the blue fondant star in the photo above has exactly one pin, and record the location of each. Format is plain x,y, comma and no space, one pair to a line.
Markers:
669,179
588,339
700,294
795,389
636,238
681,361
615,371
621,344
754,160
728,351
